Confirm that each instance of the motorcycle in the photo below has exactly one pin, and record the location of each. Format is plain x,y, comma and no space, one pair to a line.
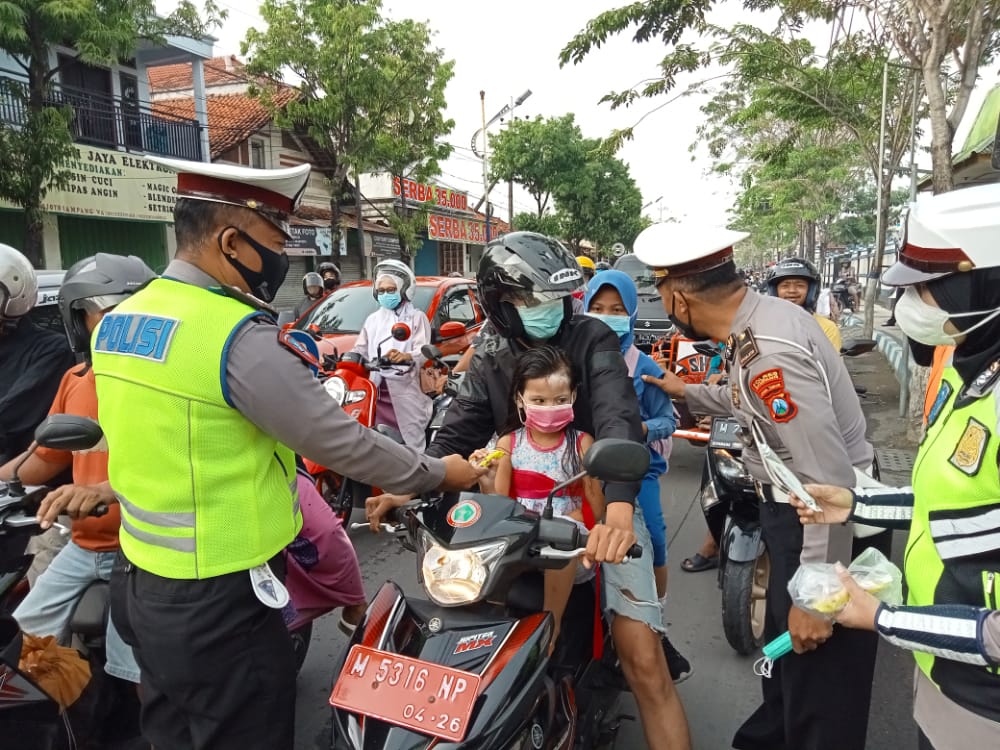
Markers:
730,503
469,666
27,712
443,400
348,381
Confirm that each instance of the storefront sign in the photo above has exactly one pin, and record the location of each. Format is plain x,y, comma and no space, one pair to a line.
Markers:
386,246
114,185
418,192
452,229
309,241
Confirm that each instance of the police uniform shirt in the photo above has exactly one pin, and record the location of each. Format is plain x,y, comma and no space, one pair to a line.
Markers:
272,388
819,435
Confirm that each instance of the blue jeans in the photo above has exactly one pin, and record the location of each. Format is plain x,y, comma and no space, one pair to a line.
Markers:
629,589
48,607
649,500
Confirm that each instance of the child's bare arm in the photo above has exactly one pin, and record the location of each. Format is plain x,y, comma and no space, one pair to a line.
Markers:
592,487
501,483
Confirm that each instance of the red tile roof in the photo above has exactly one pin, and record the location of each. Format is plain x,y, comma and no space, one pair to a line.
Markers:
219,71
232,118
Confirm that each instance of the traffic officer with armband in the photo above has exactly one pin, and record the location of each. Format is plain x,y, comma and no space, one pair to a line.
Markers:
795,402
204,410
949,269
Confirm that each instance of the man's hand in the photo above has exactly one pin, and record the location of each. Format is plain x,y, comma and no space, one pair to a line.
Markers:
807,631
861,609
75,500
460,474
376,508
610,541
836,504
670,384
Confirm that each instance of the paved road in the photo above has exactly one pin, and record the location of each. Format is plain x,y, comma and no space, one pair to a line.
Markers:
723,690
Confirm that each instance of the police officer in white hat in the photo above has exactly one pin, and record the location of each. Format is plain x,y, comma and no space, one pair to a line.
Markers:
791,393
204,411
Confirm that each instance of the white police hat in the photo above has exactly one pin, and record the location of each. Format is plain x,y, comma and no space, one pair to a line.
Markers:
273,193
952,232
676,249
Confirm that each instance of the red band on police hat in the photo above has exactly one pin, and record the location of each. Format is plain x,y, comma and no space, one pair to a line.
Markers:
699,265
214,188
935,259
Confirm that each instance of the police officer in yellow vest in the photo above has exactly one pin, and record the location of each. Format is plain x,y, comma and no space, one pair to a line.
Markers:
204,411
950,269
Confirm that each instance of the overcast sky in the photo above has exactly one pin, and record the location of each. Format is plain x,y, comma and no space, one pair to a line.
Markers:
505,48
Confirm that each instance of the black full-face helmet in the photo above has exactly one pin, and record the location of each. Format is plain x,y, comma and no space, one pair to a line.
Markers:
96,284
527,267
795,268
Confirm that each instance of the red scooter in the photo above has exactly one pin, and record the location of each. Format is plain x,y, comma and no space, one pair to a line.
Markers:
348,381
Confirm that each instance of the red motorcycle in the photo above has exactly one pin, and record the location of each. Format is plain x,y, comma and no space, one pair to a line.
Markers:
348,380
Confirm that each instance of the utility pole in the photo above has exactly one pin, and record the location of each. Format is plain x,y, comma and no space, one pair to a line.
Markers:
486,180
869,326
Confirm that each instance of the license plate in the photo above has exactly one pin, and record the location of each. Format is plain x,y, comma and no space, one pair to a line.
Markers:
425,697
725,434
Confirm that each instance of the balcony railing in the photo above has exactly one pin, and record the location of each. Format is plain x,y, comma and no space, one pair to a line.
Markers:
101,120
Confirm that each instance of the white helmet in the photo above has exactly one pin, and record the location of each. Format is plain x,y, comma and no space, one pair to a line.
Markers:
953,232
18,285
405,280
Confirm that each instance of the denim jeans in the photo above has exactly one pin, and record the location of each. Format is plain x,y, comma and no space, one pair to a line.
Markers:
630,588
48,607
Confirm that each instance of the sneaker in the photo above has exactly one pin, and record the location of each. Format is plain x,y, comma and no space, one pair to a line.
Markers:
680,668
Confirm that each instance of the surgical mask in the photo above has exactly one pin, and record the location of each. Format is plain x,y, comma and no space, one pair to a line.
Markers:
548,418
620,324
924,323
541,322
389,300
264,283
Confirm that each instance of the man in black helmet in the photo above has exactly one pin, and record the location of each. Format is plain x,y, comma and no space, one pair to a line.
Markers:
526,282
798,281
330,274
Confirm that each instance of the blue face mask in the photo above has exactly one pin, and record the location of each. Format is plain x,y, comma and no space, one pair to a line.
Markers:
620,324
542,321
389,300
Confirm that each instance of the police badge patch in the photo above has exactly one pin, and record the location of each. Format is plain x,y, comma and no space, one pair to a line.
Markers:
968,454
943,394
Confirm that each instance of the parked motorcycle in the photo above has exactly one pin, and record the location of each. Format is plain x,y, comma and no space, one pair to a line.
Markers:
468,667
348,381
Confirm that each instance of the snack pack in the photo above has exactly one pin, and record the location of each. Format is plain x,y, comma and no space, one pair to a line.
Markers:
816,588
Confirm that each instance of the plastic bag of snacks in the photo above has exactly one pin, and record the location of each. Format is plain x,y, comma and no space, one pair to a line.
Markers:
816,588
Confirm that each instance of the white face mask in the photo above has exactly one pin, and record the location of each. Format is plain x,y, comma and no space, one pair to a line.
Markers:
924,323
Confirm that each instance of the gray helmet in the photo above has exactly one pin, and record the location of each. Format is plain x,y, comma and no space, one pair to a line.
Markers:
311,279
18,284
94,284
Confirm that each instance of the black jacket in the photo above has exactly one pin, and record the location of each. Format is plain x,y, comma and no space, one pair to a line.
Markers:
32,363
606,404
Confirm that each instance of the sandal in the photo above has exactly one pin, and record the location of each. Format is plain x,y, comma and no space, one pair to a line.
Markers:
697,563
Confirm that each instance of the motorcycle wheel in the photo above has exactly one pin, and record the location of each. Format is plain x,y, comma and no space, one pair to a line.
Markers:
300,643
744,603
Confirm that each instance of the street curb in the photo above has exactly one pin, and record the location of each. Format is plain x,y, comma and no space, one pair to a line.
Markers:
890,346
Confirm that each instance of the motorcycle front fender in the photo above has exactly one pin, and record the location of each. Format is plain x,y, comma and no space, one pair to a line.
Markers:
742,543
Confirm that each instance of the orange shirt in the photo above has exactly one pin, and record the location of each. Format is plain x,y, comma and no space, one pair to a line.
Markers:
942,358
78,395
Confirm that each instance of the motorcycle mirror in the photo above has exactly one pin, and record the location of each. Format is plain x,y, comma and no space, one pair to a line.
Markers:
401,332
854,347
430,352
617,460
67,432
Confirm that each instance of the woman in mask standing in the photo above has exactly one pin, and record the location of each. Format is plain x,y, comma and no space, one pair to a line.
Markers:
950,271
401,402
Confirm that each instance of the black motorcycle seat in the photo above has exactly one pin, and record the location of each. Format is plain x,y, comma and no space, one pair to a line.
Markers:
90,617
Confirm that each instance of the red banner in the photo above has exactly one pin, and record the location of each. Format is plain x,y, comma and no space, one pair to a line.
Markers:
453,229
418,192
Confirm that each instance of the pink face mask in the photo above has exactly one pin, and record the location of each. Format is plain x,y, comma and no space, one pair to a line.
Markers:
548,418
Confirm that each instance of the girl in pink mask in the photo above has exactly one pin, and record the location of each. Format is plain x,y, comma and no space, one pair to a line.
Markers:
541,450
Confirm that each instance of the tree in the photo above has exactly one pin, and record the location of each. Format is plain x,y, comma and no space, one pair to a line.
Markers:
102,32
545,157
547,224
948,41
371,92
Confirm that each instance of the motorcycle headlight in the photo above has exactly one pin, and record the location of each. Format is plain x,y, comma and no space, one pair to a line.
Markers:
337,388
457,576
729,468
353,397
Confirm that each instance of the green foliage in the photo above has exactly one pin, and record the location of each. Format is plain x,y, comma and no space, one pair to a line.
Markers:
371,91
102,32
545,157
547,224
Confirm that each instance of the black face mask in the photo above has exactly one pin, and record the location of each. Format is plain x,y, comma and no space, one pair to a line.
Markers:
273,268
331,284
687,330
